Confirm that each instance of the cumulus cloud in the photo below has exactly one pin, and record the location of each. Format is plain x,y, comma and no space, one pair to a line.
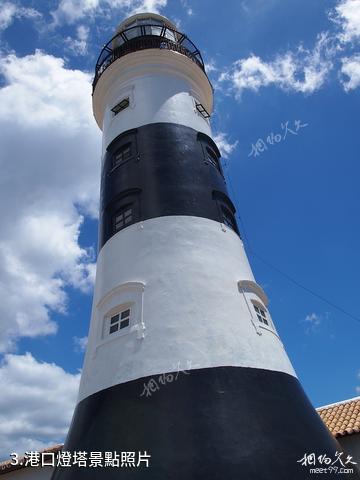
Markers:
10,11
37,404
78,45
80,344
351,69
70,11
224,145
210,66
347,16
185,4
49,161
313,321
153,6
302,70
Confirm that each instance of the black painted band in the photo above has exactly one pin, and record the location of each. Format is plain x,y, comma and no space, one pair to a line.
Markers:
209,424
162,169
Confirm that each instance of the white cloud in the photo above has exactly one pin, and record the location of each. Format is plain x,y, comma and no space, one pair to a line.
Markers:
36,403
210,66
313,318
347,16
79,45
302,71
313,321
226,148
351,69
153,6
80,344
10,11
358,387
185,4
49,161
70,11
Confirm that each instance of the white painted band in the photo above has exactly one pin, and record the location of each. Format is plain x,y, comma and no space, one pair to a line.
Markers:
181,274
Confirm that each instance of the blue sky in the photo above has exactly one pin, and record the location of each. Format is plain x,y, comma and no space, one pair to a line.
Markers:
287,86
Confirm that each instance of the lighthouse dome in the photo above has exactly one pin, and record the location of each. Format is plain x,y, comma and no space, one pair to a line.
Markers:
145,19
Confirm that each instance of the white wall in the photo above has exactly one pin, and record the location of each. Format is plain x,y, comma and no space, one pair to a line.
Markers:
153,98
192,309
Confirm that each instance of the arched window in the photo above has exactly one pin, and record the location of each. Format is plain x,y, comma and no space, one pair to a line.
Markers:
228,218
119,321
210,151
123,211
226,210
123,217
212,158
121,150
121,155
261,313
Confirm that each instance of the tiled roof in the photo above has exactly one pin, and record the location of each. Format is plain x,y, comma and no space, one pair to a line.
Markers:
6,467
342,418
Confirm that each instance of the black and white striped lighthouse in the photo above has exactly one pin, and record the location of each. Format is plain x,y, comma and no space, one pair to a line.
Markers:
183,359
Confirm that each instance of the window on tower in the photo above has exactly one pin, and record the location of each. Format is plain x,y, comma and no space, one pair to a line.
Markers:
226,210
261,313
120,151
202,110
212,158
122,155
121,212
210,151
228,218
124,103
119,321
123,218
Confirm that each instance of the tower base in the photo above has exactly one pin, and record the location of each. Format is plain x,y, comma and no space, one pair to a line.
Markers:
207,424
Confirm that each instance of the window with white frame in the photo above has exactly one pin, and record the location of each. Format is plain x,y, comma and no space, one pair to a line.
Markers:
119,321
261,314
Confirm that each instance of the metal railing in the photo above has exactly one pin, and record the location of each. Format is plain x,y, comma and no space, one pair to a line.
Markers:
141,37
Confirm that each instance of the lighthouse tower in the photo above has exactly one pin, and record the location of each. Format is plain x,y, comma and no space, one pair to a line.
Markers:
183,360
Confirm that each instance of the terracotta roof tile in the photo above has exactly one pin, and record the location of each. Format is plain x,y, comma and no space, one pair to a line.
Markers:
342,418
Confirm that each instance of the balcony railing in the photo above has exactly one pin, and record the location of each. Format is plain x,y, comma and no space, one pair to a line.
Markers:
141,37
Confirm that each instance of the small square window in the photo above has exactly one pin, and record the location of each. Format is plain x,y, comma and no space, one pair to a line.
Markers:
261,315
119,321
202,110
123,218
125,102
122,155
